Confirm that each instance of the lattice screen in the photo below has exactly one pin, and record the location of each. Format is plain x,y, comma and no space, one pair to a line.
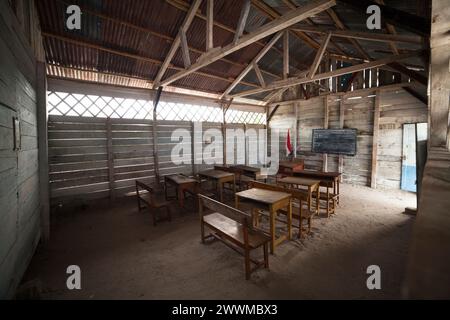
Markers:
188,112
71,104
238,116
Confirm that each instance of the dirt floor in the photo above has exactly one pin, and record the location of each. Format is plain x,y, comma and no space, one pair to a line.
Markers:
122,256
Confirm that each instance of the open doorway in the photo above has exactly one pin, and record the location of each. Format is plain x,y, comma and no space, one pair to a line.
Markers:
413,133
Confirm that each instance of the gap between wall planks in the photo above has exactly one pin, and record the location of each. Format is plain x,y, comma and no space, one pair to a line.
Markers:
376,129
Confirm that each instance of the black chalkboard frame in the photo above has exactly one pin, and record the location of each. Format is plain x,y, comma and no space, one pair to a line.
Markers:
316,150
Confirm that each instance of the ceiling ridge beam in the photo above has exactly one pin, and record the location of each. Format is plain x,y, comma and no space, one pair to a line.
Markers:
272,27
176,42
338,72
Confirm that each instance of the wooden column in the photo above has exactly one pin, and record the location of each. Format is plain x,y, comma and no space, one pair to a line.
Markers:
341,126
325,126
109,150
194,167
376,128
155,134
296,106
42,120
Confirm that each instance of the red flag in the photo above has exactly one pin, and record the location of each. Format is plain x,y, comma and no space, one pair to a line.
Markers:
288,144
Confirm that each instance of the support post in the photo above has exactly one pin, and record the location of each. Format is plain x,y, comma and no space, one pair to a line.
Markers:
109,149
341,126
376,128
325,126
42,120
155,134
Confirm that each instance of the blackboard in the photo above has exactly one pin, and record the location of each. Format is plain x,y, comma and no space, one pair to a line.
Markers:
334,141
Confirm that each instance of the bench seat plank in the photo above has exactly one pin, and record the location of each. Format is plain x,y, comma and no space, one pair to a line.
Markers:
233,230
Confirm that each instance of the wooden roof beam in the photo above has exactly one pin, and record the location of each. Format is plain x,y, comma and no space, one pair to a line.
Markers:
272,27
256,59
176,43
338,72
242,20
369,36
163,36
134,56
319,55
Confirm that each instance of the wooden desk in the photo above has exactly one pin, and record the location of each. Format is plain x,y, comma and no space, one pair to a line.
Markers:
327,179
288,167
311,184
253,172
273,201
220,177
182,184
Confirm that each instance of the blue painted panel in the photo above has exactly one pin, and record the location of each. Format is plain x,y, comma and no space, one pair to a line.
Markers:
409,178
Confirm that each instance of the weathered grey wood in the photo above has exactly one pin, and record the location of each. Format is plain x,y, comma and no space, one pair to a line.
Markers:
376,129
110,158
242,20
176,42
325,126
254,61
185,50
285,54
272,27
368,36
209,25
259,75
319,55
335,73
341,125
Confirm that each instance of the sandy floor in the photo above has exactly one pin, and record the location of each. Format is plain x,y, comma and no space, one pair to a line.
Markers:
122,256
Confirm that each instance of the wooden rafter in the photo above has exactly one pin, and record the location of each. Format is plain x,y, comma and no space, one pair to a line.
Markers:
184,6
369,36
286,54
176,43
209,24
259,75
185,50
133,56
250,65
309,21
161,36
272,27
340,25
242,20
339,72
319,55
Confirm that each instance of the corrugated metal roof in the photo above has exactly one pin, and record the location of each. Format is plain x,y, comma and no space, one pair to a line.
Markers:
146,29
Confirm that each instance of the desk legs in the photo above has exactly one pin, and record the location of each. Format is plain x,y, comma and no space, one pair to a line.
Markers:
289,220
180,192
272,230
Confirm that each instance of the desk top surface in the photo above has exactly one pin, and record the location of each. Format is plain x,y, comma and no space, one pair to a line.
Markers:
264,196
299,181
318,174
180,179
215,174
